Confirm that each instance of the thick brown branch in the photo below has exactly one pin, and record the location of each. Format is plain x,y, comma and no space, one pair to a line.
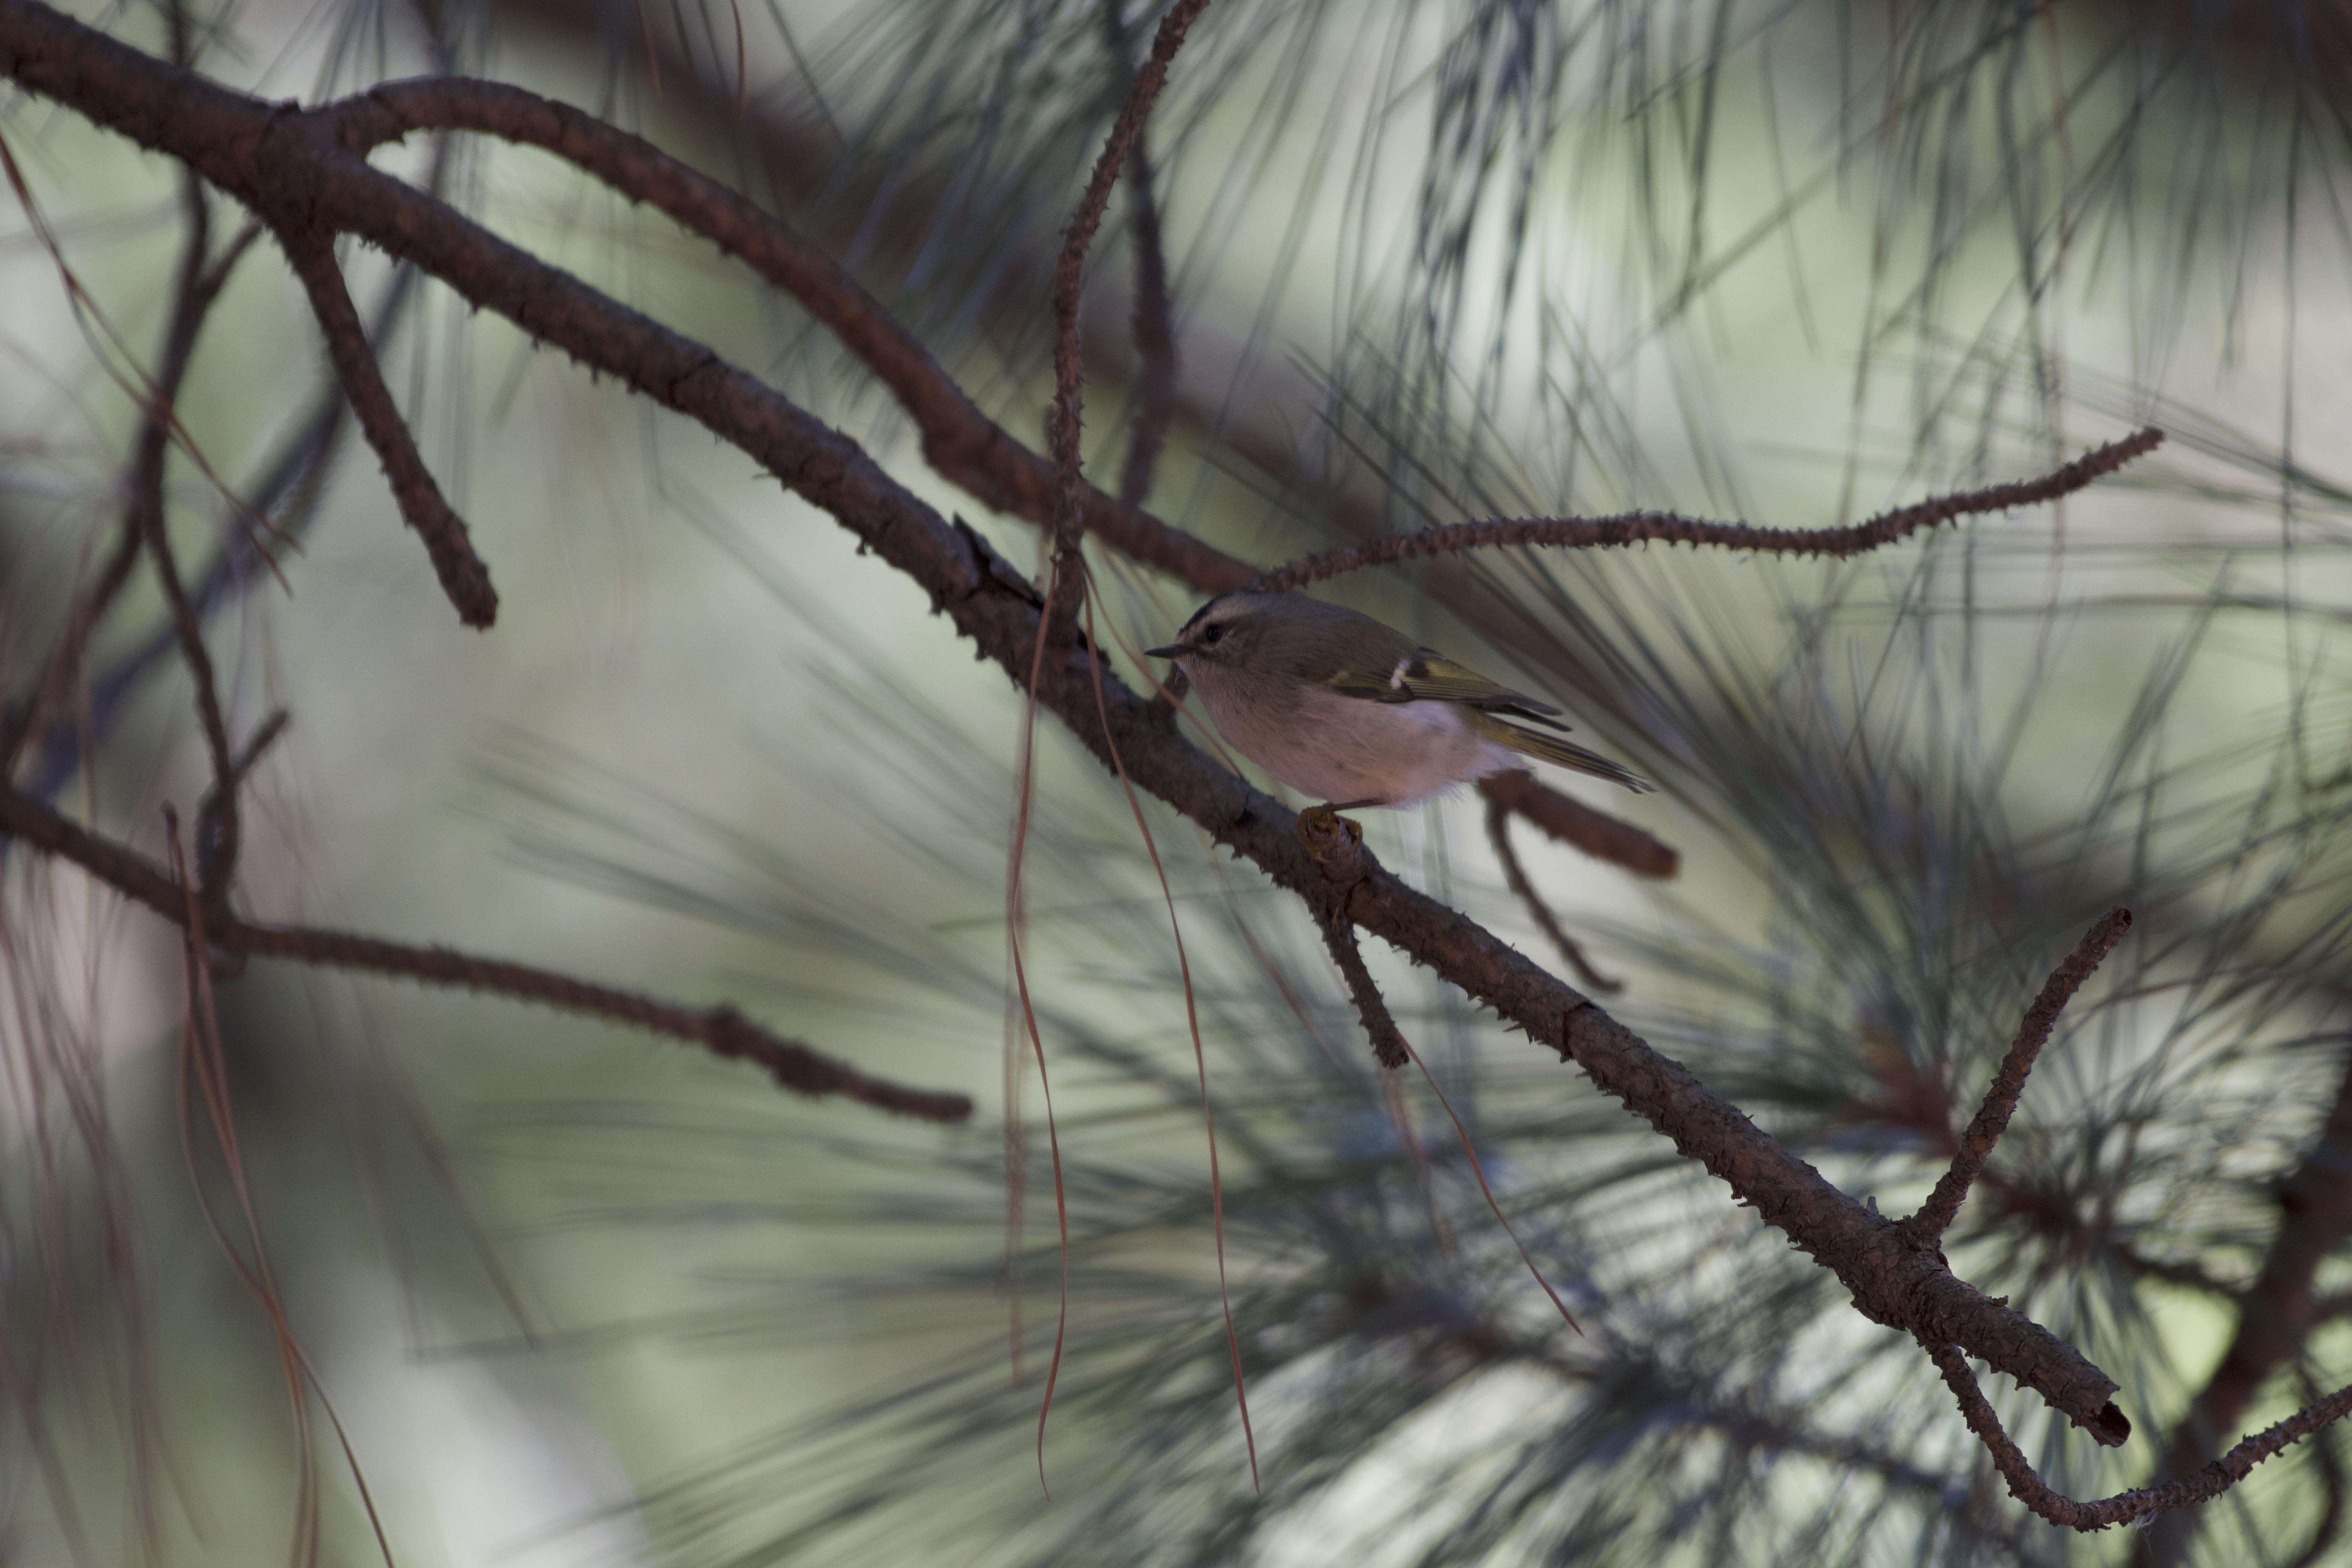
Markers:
2207,1483
1498,832
722,1030
464,578
1991,1120
281,162
959,440
1646,527
963,444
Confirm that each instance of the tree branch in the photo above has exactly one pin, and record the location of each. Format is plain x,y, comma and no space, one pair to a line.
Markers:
968,449
1567,820
950,424
298,467
296,165
1155,334
464,578
721,1030
1498,832
1645,527
965,445
1991,1120
200,281
1067,588
2210,1482
1154,330
2276,1314
1379,1025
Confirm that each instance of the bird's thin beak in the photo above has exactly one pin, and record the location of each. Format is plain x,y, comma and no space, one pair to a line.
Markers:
1171,651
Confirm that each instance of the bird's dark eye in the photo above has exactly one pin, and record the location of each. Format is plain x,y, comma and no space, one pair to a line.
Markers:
1213,634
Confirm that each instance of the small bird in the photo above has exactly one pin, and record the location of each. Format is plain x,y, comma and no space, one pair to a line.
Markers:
1355,713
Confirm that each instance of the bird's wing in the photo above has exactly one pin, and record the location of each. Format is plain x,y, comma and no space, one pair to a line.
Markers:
1424,675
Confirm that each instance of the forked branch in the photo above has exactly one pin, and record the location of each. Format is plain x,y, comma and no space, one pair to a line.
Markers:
2208,1483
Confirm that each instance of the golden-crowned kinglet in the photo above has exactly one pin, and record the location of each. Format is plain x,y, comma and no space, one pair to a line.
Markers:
1341,708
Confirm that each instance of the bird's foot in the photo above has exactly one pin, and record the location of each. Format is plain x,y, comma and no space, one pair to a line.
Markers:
1327,835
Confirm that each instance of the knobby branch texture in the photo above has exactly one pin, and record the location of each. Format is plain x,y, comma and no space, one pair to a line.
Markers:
1943,1205
1069,279
464,578
723,1031
305,172
960,442
1666,527
2203,1486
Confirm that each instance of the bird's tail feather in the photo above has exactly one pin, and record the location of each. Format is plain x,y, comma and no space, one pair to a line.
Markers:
1567,754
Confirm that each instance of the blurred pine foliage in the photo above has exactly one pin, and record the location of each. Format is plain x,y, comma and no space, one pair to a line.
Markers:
1786,259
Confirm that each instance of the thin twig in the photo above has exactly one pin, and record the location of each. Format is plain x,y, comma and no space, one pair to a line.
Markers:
1200,1068
464,578
721,1030
298,467
197,289
1498,832
2208,1483
1646,527
1340,935
1069,276
217,813
2331,1481
1154,316
1934,1215
1478,1171
217,854
1567,820
112,354
1155,337
202,1040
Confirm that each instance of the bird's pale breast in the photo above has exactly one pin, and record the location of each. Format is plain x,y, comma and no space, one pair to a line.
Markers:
1335,748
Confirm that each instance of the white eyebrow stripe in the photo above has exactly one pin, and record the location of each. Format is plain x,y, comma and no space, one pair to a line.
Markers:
1396,676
